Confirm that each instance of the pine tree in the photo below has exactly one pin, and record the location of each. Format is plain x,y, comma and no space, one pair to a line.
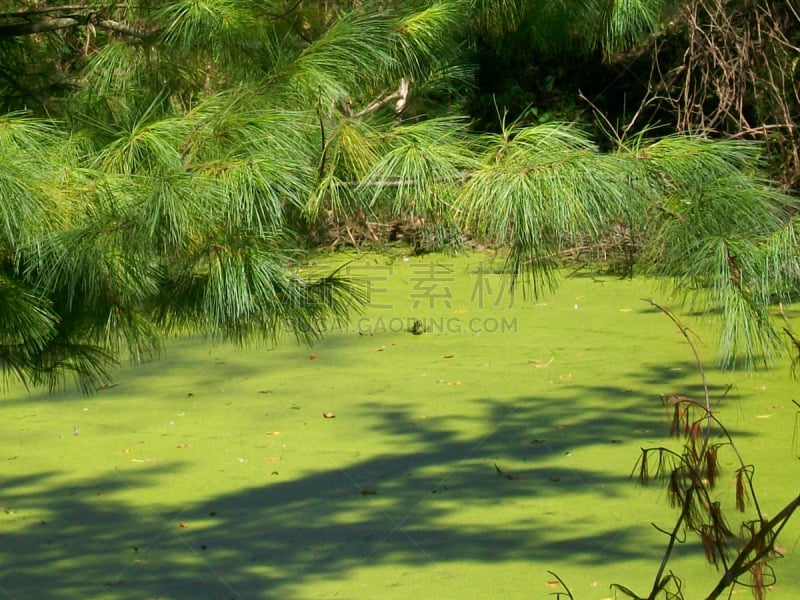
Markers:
160,162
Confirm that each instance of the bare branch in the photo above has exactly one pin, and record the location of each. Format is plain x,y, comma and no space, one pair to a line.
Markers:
45,10
25,26
757,547
399,97
120,28
43,26
285,13
735,77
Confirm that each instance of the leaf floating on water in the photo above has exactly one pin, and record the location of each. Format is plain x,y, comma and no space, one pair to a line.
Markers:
541,364
505,475
553,584
329,415
274,459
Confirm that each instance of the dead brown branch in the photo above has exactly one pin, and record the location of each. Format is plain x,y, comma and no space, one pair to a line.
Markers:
736,75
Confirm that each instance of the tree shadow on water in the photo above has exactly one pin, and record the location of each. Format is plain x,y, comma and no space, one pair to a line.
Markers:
439,498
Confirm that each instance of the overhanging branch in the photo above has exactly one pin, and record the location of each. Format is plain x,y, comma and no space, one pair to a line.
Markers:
43,26
24,14
25,26
120,28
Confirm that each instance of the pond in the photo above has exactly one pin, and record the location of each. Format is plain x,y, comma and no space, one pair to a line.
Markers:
452,441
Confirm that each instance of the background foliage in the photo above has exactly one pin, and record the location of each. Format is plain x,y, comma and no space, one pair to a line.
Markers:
165,165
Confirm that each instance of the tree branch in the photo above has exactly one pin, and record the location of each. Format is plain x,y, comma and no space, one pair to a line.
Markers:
285,13
121,28
43,10
399,97
47,24
43,26
758,546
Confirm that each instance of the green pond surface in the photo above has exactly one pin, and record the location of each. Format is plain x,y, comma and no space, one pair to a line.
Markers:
463,462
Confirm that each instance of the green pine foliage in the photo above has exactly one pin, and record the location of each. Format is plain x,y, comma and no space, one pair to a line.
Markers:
159,161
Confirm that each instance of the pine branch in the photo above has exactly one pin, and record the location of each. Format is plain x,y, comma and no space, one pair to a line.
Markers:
66,22
286,13
121,28
43,26
400,96
23,14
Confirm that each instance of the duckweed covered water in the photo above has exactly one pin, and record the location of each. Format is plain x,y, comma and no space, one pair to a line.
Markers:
453,441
